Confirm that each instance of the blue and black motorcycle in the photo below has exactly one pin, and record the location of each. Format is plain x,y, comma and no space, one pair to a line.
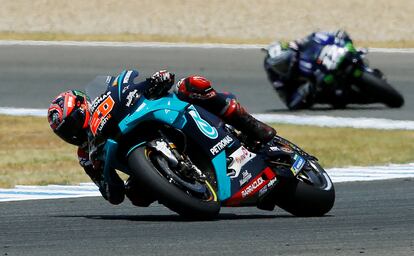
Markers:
344,70
194,163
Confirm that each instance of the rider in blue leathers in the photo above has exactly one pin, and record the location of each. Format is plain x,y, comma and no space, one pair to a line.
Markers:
292,75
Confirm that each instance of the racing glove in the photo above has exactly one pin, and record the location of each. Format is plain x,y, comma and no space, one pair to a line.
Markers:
83,158
161,82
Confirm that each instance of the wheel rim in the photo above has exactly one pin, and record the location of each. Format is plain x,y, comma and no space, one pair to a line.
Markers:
201,190
316,176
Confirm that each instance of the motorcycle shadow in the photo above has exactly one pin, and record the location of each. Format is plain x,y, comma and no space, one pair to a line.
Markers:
353,107
177,218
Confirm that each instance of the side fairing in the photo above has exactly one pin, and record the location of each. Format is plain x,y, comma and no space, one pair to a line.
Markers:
237,169
209,133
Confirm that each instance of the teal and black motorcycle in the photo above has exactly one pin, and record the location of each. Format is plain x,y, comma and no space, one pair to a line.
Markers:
194,163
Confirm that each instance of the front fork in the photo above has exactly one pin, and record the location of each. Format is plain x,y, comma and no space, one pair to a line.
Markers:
176,160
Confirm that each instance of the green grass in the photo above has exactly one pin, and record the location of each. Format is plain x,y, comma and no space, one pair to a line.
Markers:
339,147
173,39
31,154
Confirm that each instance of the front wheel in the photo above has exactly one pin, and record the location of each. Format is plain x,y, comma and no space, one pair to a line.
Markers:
380,90
189,198
311,194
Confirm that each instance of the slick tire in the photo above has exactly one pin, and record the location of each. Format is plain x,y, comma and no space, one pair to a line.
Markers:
305,200
380,90
167,193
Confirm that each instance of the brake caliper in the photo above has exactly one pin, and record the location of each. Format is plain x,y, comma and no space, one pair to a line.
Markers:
163,148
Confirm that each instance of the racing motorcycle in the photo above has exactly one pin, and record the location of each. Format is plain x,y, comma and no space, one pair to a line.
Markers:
194,163
347,77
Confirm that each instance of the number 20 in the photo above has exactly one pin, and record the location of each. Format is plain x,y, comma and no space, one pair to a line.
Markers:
100,113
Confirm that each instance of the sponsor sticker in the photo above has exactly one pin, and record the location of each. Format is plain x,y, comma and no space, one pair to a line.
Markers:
271,182
126,87
252,187
274,148
108,79
239,158
104,120
221,145
263,190
203,125
99,100
298,164
101,114
127,76
71,102
246,177
286,149
131,96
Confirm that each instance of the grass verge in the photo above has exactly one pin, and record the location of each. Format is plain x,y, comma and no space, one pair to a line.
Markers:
31,154
175,39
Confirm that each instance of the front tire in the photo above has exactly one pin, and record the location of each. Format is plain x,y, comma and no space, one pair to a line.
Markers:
380,90
145,170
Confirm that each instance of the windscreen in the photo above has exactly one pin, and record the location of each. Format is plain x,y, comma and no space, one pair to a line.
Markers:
97,86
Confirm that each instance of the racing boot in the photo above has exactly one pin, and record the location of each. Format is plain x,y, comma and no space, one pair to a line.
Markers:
255,131
114,192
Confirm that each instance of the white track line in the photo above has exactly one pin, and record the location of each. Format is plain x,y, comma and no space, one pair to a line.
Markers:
331,121
337,175
164,45
48,192
23,111
392,171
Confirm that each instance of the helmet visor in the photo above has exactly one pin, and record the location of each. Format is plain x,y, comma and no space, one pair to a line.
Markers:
70,130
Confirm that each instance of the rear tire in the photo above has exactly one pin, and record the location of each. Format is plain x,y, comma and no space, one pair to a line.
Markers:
307,200
167,193
380,90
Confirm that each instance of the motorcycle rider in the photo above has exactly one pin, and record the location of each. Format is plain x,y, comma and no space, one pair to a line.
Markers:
291,74
77,121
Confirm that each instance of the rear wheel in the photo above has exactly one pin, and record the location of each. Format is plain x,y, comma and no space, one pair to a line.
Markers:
380,90
188,197
312,194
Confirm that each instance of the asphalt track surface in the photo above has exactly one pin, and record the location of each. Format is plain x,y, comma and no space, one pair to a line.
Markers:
369,218
31,76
